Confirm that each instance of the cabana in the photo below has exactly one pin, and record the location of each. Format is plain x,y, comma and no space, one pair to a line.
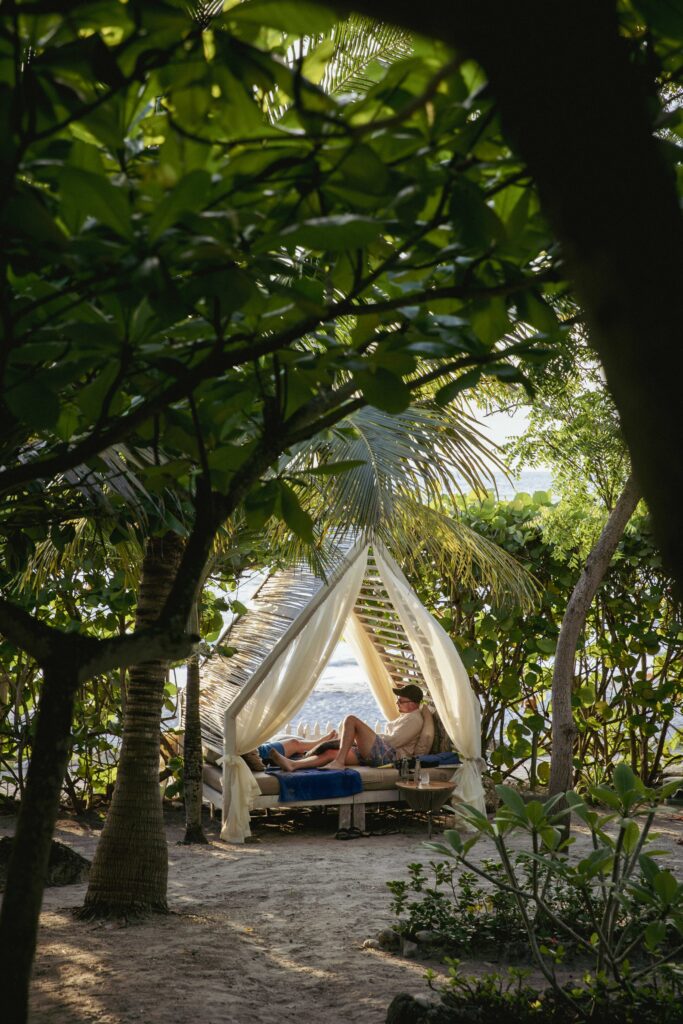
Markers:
283,643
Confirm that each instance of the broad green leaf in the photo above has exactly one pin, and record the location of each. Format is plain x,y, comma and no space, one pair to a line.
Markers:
665,16
625,781
476,224
453,838
512,800
260,504
297,519
90,399
26,214
93,195
464,382
297,18
666,886
605,796
384,390
34,403
631,836
655,933
649,867
329,234
333,468
188,195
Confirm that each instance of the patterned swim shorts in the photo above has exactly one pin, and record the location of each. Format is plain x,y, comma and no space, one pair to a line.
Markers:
380,753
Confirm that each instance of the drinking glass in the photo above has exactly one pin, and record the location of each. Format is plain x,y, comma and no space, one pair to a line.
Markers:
422,778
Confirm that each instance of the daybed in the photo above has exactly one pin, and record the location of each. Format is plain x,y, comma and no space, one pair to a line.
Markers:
378,787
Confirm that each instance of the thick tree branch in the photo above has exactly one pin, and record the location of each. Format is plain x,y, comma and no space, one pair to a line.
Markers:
167,640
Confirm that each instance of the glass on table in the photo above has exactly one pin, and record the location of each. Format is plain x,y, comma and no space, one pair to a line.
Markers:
422,778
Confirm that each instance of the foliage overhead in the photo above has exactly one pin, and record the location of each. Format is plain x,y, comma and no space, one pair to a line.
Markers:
183,270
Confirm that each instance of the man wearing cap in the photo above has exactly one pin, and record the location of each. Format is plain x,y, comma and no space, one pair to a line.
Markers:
360,745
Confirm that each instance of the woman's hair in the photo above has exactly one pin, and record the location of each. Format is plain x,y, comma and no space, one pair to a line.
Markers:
322,747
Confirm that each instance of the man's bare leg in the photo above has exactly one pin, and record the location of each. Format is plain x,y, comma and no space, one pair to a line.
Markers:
354,731
312,761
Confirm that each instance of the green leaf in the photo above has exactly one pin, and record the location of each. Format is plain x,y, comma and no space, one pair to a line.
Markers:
384,390
666,886
606,796
188,195
451,390
655,933
333,468
26,214
93,195
259,504
665,16
297,519
512,800
454,839
625,781
631,836
90,399
296,18
34,404
649,867
476,224
329,234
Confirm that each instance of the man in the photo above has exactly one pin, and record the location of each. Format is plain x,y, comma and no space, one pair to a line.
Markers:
361,745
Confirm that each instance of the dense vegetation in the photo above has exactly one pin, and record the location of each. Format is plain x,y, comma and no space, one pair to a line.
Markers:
222,241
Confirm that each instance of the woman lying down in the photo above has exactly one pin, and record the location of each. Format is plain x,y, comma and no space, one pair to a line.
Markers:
358,743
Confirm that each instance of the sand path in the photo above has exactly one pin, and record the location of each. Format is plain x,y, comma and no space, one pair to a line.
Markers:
270,931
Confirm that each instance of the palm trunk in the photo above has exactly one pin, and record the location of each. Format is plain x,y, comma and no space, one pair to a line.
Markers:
192,757
130,868
192,749
28,863
563,728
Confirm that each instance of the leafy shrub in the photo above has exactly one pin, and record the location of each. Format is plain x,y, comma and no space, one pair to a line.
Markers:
633,906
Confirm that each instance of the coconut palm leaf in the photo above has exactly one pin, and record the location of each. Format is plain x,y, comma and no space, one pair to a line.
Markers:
403,473
360,42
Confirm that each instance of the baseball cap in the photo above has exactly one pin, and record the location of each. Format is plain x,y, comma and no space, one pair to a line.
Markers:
411,691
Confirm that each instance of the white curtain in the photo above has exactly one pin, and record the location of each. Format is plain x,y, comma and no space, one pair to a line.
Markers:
281,693
369,660
446,678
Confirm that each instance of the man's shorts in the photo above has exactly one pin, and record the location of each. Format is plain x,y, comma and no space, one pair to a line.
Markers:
265,749
380,753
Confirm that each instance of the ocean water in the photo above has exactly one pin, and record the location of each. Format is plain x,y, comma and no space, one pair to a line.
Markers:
529,480
343,689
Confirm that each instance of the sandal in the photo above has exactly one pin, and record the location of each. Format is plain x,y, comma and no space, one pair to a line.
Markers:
348,833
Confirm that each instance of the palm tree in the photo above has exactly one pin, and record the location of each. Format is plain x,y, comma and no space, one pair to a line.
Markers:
130,866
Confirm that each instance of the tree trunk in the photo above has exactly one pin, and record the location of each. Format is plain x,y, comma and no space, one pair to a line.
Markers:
192,749
27,868
130,868
563,728
576,104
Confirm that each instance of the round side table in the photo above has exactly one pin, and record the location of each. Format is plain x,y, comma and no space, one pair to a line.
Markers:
427,799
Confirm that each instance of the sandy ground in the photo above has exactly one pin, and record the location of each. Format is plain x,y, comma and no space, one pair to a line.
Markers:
272,931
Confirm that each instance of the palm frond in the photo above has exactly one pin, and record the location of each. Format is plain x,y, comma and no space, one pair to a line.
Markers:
360,42
406,470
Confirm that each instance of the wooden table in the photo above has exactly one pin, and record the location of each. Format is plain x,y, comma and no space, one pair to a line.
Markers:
427,798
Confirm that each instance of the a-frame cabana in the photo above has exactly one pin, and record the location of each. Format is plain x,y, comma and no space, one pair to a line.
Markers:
283,643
